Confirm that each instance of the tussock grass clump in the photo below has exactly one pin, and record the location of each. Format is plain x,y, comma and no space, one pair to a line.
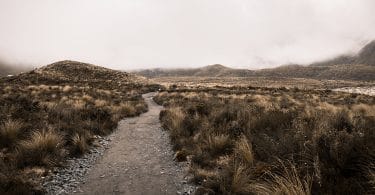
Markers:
43,148
273,141
288,182
9,132
244,151
80,143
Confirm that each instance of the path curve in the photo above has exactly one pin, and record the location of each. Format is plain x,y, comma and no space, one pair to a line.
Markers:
138,161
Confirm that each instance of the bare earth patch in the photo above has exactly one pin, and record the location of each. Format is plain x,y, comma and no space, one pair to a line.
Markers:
361,90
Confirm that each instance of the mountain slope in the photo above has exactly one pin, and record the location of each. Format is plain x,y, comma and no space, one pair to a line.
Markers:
330,72
367,55
216,70
357,67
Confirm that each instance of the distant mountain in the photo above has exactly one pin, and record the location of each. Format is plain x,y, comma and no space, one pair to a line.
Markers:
357,67
216,70
366,56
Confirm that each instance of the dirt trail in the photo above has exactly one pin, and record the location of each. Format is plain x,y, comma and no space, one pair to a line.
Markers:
139,160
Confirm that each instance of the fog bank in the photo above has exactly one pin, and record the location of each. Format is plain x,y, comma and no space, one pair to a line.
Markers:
128,34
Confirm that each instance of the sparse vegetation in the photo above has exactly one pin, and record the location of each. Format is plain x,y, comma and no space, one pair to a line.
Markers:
54,112
253,140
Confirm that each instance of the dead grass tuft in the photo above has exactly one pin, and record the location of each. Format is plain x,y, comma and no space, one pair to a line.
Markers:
43,148
288,182
9,132
244,151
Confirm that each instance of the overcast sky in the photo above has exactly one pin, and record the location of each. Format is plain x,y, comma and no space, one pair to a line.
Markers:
131,34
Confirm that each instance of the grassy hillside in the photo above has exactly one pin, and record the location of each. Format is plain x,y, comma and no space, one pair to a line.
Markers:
54,112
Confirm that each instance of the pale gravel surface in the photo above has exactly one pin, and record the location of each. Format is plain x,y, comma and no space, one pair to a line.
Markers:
66,179
135,159
360,90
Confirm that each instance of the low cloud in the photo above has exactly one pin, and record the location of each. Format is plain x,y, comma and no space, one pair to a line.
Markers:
175,33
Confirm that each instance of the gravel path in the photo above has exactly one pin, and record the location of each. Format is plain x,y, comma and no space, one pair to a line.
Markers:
139,160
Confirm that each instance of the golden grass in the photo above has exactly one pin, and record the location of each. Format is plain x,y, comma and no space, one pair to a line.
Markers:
9,131
217,143
100,103
67,89
80,143
244,151
289,182
176,116
43,148
241,180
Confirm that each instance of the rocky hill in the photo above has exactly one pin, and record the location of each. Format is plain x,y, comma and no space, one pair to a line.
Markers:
357,67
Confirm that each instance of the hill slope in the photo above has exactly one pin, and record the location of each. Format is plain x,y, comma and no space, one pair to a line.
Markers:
56,112
80,74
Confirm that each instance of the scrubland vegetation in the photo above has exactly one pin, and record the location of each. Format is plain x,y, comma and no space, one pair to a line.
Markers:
271,82
56,112
250,140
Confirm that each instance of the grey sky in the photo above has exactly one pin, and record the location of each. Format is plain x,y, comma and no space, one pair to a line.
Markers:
130,34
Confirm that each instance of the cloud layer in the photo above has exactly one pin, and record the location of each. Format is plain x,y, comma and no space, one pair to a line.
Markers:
128,34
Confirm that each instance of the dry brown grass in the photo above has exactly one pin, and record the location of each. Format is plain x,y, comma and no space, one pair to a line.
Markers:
241,181
10,131
301,83
80,142
288,182
44,148
244,151
274,141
